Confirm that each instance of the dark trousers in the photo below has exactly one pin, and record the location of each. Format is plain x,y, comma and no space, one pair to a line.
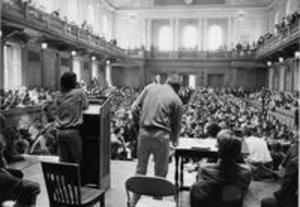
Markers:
12,187
70,145
154,142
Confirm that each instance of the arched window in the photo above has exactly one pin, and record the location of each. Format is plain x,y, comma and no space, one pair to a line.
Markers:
189,37
215,37
165,38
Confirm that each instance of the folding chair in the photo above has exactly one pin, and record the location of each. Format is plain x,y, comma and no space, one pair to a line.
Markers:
64,187
151,186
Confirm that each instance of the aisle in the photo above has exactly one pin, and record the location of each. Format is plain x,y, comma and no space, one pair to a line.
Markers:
121,170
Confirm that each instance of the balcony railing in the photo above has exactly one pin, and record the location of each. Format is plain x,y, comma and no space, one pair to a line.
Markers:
193,54
19,12
284,37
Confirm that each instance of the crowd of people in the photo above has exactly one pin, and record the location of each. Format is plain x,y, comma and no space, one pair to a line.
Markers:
24,97
207,112
275,99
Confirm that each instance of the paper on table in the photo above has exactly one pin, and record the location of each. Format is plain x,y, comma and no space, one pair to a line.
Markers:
93,109
189,143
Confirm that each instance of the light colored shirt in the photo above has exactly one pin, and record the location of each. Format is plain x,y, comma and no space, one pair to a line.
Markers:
70,107
258,150
158,106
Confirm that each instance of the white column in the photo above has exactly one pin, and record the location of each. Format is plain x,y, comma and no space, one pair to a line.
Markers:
229,34
281,76
234,39
200,34
172,25
205,34
175,34
148,33
271,76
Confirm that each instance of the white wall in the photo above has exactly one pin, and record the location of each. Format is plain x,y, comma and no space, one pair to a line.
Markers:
251,25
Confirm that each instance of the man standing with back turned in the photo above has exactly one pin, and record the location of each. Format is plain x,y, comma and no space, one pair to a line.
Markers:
158,110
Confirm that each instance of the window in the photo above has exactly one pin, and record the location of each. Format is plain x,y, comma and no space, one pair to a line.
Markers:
215,37
165,38
189,37
12,67
192,81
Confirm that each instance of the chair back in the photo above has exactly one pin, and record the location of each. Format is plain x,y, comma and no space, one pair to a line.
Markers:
150,186
232,196
63,183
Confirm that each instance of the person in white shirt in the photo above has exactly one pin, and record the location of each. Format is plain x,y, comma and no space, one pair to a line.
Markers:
259,157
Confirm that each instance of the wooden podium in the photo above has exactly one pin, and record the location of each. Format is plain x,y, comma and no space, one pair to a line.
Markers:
95,132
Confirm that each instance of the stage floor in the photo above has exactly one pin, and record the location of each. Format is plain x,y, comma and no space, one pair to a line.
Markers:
121,170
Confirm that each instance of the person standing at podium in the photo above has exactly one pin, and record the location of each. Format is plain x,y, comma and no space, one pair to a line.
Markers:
158,110
70,102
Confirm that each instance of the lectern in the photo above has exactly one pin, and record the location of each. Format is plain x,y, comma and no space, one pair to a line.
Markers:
95,131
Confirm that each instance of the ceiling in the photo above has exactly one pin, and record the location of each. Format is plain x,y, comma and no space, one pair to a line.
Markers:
135,4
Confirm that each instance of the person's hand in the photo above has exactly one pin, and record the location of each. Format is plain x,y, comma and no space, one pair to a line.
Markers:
175,144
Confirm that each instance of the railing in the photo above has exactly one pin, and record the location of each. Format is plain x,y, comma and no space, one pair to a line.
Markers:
15,10
286,35
193,54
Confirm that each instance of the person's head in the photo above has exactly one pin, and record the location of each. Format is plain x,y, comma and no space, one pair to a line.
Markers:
230,148
68,81
212,129
174,81
117,130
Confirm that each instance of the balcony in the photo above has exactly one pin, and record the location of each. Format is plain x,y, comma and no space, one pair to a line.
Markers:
286,36
21,14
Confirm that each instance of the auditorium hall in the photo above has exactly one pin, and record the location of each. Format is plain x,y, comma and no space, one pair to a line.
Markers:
137,103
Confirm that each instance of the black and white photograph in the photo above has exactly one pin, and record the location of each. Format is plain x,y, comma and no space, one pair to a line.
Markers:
149,103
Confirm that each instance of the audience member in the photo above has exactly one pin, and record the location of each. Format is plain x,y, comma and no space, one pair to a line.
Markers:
13,187
212,178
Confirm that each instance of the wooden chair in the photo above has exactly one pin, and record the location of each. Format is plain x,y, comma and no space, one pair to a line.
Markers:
151,186
232,196
64,186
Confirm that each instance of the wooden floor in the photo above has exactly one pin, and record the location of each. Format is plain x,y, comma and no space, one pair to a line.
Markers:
121,170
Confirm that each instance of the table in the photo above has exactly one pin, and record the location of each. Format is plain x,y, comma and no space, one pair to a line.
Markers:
199,148
192,147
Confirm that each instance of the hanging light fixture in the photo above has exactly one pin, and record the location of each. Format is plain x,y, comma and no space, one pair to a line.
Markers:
73,53
269,63
281,59
93,58
44,45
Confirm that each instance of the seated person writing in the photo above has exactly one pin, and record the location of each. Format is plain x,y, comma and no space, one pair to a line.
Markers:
13,187
212,178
